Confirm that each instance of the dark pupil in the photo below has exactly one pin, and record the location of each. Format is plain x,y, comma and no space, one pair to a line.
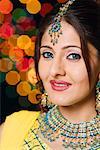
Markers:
75,56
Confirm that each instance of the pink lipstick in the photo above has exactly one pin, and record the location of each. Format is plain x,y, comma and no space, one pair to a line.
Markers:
59,85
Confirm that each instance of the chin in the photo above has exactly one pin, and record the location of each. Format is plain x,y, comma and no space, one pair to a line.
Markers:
62,103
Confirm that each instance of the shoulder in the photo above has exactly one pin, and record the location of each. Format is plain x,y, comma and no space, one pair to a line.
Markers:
22,115
16,126
20,119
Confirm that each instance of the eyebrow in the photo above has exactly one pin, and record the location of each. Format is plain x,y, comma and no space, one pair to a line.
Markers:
65,47
45,46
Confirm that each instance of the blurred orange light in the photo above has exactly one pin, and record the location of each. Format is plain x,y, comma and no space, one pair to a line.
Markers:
30,51
5,47
32,76
23,88
34,96
33,6
5,65
16,54
24,42
6,6
12,77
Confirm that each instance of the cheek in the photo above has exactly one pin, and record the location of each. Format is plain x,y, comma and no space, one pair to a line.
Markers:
43,69
77,72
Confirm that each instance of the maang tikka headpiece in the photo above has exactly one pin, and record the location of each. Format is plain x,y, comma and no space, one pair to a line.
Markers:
55,30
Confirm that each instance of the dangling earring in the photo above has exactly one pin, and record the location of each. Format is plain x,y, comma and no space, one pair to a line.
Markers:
45,103
44,99
98,96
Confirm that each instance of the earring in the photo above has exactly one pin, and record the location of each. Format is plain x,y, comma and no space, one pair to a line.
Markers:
45,103
98,96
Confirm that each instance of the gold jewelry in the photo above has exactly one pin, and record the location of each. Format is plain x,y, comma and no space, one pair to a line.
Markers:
44,99
55,30
81,136
45,103
98,96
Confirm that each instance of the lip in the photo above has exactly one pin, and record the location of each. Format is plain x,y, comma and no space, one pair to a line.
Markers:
59,85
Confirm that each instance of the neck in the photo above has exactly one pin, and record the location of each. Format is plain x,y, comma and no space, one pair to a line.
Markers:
80,112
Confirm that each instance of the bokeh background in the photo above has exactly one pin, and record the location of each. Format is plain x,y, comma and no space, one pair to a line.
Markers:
19,22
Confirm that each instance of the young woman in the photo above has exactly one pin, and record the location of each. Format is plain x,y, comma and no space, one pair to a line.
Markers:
68,64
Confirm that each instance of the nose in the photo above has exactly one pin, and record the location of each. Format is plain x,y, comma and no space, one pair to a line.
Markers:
57,68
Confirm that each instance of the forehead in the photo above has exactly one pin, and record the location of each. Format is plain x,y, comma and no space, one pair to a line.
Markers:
69,36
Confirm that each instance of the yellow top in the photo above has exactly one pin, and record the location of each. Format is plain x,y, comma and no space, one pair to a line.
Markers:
15,131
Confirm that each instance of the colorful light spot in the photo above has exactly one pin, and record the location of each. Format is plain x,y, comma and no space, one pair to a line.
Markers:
6,30
34,96
13,40
5,65
6,6
23,65
31,63
18,13
25,23
8,18
12,77
16,54
5,47
30,51
23,88
24,76
46,8
32,76
24,42
33,7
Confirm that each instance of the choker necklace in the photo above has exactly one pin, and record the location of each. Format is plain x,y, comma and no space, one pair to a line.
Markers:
81,136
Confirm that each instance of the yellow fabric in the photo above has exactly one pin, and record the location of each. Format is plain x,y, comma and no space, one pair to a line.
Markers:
33,141
15,128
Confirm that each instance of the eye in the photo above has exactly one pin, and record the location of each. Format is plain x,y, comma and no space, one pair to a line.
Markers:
73,56
47,55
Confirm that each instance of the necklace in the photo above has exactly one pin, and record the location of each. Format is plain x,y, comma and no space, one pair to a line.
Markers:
81,136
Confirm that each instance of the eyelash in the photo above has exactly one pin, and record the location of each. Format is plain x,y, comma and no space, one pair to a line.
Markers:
45,54
72,56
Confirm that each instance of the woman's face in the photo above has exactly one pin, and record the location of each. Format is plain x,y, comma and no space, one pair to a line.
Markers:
62,68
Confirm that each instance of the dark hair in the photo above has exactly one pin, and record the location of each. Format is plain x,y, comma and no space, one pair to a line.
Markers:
84,16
